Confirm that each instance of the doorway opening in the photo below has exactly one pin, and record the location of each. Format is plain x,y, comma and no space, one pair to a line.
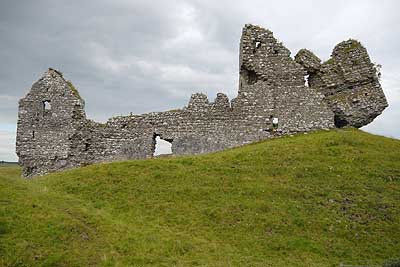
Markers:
162,146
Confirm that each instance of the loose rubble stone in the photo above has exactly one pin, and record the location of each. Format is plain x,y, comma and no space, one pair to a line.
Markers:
54,134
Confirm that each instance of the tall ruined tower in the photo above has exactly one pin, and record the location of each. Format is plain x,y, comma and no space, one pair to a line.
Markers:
275,98
272,84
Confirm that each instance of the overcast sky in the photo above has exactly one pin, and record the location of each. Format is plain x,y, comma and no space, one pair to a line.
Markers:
139,56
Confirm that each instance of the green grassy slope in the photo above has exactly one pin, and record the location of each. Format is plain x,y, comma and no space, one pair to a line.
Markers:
319,199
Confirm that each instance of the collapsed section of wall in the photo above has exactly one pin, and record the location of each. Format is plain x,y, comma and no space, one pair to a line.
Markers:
349,82
273,100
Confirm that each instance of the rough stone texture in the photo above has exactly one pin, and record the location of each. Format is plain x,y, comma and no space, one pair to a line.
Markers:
272,101
308,60
349,82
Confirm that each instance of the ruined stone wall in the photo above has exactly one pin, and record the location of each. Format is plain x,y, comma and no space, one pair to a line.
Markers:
273,100
48,115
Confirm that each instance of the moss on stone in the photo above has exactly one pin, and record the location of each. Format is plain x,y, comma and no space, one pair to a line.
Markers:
174,110
73,89
330,61
354,44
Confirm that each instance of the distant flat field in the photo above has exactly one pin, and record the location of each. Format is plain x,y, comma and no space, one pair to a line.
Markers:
7,164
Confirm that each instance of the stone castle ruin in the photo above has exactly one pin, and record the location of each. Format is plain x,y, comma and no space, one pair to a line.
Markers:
277,96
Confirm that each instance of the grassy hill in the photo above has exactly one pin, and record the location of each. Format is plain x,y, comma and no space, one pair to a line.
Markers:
319,199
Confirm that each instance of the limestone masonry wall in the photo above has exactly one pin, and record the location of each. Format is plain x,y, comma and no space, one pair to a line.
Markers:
273,100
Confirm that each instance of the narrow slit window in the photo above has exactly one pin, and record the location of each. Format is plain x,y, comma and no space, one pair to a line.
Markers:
306,84
275,122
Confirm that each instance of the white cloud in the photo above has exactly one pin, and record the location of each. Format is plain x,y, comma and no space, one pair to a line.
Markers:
7,146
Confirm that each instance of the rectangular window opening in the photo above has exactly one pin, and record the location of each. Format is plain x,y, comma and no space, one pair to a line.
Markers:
46,105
